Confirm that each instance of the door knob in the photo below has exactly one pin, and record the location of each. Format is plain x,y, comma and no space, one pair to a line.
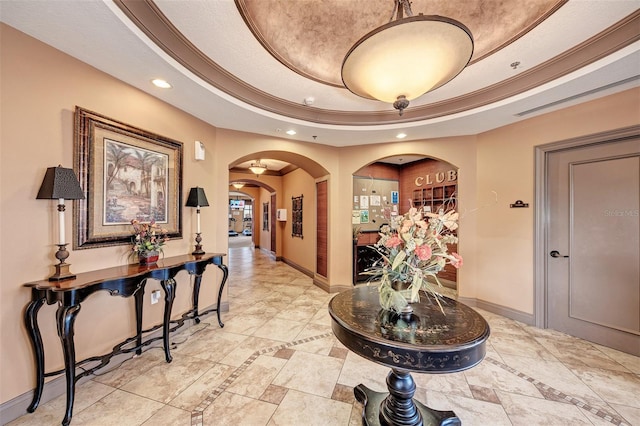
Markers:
556,253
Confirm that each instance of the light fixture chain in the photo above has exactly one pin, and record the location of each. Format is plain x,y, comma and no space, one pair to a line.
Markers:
399,5
407,7
395,7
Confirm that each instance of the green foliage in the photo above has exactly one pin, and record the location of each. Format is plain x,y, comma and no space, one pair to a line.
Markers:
147,237
412,249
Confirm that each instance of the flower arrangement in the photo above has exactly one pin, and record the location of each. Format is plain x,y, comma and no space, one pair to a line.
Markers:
147,237
414,248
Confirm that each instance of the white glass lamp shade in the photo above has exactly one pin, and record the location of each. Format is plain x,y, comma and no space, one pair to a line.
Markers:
258,168
407,57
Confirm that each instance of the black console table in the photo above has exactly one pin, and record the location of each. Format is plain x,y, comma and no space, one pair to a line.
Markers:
426,341
124,281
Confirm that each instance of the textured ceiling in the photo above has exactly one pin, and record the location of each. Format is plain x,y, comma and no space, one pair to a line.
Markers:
569,52
312,37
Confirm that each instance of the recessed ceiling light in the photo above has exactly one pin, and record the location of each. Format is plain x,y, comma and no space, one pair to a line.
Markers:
401,135
158,82
291,132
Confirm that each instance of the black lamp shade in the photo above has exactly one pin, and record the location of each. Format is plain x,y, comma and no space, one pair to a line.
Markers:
60,182
197,198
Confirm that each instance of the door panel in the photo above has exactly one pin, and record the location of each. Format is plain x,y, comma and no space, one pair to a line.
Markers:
322,228
594,283
604,245
272,223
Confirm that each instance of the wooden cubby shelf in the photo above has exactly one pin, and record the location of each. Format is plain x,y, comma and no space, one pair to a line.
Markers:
436,197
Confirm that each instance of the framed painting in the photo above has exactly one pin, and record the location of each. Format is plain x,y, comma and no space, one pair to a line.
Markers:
296,216
126,173
265,216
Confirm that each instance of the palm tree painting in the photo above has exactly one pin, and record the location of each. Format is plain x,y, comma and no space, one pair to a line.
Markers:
135,182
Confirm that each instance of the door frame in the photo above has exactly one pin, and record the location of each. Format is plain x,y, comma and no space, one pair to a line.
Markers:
540,249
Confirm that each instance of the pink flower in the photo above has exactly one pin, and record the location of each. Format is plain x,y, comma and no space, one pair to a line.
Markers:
457,260
423,252
393,242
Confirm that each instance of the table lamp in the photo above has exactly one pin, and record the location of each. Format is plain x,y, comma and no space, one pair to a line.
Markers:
60,183
197,199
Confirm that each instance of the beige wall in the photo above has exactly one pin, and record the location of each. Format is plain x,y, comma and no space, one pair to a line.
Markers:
300,251
504,258
40,89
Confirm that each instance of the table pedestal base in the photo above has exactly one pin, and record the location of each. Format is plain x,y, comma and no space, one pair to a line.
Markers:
398,408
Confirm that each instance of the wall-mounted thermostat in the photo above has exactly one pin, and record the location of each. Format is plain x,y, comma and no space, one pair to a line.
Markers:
199,150
281,215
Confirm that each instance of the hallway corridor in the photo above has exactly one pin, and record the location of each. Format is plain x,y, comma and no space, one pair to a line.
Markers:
276,362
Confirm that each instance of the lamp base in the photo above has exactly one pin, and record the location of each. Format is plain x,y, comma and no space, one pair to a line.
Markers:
62,268
62,273
198,249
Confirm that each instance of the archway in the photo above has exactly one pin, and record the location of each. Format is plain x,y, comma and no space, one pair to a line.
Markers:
241,217
297,234
245,219
390,186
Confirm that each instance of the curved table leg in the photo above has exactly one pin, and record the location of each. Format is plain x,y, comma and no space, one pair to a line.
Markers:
139,303
196,295
66,316
169,295
225,275
398,407
31,323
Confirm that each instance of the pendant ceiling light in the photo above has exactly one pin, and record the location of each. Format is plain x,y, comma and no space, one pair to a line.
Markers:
407,57
258,168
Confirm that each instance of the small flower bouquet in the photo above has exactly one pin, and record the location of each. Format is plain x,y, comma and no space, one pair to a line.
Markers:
413,248
147,238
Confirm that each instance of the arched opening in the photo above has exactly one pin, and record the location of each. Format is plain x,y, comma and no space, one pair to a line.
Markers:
289,208
244,214
389,187
241,218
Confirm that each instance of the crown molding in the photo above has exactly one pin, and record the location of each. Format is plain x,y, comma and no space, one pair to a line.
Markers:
148,18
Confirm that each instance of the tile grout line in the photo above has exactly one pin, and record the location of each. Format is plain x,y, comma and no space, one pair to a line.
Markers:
546,389
198,412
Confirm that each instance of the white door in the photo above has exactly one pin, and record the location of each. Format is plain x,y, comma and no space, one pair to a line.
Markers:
593,243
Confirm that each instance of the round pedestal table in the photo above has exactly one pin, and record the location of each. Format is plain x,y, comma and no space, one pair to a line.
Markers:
428,340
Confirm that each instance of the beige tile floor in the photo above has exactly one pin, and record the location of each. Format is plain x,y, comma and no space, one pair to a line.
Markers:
276,362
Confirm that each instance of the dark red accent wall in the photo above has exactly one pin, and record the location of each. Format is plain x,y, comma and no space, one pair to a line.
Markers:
421,169
322,230
380,171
